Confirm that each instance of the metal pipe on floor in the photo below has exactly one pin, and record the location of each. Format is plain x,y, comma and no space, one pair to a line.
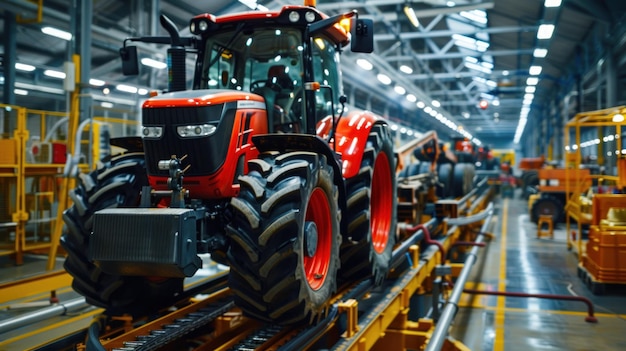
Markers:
451,308
39,315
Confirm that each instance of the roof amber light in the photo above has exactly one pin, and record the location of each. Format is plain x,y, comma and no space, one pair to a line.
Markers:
315,86
345,24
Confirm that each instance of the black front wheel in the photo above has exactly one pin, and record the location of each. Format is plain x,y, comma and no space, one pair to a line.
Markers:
116,184
284,252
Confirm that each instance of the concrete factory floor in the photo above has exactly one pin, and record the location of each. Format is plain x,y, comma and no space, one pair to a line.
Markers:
517,261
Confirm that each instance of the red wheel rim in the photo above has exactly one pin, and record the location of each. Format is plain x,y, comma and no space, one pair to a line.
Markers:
316,266
381,203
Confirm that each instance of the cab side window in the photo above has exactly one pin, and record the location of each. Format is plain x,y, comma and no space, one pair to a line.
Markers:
325,71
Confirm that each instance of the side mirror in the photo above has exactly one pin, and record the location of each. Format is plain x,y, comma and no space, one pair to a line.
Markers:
130,66
362,31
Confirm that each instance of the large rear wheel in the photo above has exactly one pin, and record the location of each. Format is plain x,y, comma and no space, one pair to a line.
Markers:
284,252
116,184
371,211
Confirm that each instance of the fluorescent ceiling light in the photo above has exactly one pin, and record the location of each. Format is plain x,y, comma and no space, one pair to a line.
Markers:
54,74
411,98
535,70
96,82
478,16
153,63
384,79
470,43
529,96
421,104
253,5
477,67
399,90
24,67
410,13
552,3
365,64
618,118
126,88
532,81
450,4
540,52
545,31
106,104
20,92
406,69
436,103
57,33
530,89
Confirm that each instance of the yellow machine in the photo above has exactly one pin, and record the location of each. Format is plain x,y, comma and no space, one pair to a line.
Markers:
601,256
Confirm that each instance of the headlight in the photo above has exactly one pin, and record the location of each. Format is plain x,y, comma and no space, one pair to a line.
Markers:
194,131
152,132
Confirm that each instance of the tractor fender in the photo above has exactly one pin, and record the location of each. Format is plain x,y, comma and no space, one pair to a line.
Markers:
351,138
286,142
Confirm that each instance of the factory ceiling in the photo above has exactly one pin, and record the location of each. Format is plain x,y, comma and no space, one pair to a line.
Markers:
467,65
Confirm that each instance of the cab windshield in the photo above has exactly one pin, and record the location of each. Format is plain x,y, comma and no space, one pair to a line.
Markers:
249,59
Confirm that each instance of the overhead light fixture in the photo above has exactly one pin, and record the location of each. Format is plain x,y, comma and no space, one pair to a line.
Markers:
530,89
478,16
365,64
470,43
24,67
410,14
552,3
96,82
540,52
421,104
57,33
399,90
535,70
411,98
20,92
532,81
106,104
618,118
153,63
406,69
126,88
436,103
384,79
54,74
253,5
545,31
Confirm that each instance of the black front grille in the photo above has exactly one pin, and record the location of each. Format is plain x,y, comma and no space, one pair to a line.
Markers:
205,154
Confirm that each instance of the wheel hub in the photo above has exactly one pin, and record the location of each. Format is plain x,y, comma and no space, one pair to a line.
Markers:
310,238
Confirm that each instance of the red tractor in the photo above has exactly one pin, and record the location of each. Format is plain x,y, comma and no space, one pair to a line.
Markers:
256,164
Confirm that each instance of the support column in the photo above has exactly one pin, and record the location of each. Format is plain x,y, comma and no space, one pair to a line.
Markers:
10,48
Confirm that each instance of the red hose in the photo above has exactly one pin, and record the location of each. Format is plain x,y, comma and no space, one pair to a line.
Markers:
428,240
590,317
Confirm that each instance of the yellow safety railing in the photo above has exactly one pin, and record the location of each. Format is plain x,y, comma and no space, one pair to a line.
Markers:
34,146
